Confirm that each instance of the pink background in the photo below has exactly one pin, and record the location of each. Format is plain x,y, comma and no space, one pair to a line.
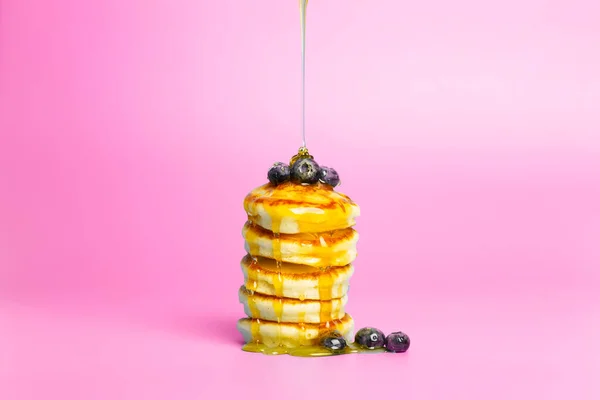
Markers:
130,131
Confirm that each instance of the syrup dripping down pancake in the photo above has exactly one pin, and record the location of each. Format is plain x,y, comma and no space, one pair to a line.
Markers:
273,334
334,248
271,308
296,281
295,208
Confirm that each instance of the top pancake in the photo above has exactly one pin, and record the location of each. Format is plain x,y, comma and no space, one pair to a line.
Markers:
295,208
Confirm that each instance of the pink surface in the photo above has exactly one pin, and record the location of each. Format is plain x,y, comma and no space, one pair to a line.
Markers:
130,132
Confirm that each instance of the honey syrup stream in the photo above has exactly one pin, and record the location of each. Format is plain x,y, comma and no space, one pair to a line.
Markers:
303,4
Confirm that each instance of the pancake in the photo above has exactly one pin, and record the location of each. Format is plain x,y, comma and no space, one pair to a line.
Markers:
334,248
273,334
294,208
295,281
282,309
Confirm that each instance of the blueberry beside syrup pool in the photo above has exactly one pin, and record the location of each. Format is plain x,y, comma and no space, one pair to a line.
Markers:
334,342
373,338
370,338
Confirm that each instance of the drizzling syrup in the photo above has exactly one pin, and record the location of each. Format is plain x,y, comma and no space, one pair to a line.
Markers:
303,4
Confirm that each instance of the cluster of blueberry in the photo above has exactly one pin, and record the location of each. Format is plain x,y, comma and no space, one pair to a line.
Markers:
369,338
303,170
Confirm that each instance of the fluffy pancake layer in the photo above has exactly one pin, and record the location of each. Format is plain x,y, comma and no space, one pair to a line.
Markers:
274,334
294,208
261,275
282,309
333,248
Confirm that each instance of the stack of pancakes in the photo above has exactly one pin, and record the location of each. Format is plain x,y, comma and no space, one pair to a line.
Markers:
301,245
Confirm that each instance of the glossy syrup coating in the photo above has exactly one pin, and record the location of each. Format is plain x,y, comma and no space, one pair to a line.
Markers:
296,208
335,248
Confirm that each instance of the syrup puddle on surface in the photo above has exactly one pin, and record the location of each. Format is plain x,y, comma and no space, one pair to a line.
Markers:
308,351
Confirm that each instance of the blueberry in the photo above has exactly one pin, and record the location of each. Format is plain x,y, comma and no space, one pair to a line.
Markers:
305,170
329,176
333,341
397,342
278,173
371,338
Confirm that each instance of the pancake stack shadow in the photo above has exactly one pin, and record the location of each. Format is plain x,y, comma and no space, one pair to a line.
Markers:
300,247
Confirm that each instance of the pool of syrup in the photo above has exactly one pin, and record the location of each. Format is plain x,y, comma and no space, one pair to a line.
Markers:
308,351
